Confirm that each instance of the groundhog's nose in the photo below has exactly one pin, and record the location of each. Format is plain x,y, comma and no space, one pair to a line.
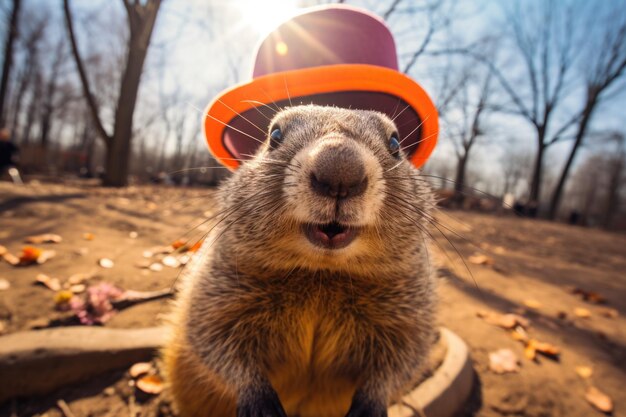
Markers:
338,170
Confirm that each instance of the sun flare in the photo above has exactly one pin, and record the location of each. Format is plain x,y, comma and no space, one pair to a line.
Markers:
264,16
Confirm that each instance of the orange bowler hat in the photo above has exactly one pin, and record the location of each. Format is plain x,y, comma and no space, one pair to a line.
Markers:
333,55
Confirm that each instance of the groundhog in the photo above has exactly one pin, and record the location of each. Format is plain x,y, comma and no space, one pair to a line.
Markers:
313,295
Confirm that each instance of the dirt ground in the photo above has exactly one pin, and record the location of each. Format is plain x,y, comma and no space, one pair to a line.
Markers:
535,266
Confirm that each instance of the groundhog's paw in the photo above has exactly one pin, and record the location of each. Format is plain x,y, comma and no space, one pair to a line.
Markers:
260,403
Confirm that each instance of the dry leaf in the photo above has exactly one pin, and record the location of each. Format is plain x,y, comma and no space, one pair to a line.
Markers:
503,361
30,254
584,372
196,246
148,254
106,263
45,238
479,259
11,259
151,384
79,278
140,368
506,321
133,235
156,267
499,250
88,236
3,250
609,313
78,288
599,400
4,284
519,334
546,349
583,313
178,243
52,283
62,299
590,296
45,256
170,261
530,352
531,303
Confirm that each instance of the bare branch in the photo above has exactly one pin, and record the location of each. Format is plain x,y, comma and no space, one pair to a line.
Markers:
91,102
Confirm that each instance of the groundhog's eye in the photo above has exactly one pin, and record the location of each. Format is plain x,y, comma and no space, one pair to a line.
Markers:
276,136
394,145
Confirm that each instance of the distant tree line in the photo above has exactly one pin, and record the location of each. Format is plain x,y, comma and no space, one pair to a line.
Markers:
74,102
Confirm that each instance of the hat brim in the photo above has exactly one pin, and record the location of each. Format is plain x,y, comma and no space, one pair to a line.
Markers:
237,120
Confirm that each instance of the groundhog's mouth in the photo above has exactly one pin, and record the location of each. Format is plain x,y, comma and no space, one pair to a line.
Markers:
330,235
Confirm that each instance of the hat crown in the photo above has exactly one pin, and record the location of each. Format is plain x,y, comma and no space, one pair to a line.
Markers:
327,35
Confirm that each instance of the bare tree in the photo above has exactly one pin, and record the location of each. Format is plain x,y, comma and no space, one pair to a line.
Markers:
30,40
141,18
544,48
605,67
10,37
616,171
516,164
51,88
467,124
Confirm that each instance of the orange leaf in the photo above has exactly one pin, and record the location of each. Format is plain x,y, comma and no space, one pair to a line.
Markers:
544,348
599,400
3,250
178,243
151,384
530,352
30,254
196,246
88,236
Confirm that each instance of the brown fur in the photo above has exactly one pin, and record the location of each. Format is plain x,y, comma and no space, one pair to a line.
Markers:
259,303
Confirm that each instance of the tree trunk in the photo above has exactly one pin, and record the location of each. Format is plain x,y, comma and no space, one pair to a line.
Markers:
459,183
613,195
580,134
11,35
535,184
141,20
119,149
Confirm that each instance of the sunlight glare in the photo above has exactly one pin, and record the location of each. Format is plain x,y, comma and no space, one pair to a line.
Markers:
265,16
